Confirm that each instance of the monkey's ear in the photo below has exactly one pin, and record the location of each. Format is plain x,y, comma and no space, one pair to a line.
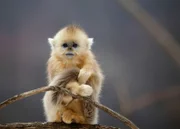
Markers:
91,41
51,42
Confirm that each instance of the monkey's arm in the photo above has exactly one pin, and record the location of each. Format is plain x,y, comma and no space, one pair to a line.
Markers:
88,69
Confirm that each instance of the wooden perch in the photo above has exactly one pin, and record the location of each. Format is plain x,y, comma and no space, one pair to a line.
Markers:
38,125
56,88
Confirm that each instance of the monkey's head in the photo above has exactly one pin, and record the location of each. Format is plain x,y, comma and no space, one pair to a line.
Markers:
71,41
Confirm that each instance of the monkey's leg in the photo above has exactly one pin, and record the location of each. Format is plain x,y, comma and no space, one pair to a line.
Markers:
53,111
74,113
90,113
70,116
66,99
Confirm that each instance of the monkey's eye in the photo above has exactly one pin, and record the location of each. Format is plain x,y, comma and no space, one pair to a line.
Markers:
75,45
65,45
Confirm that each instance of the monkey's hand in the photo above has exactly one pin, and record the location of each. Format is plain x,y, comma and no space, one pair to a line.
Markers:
82,90
85,90
84,75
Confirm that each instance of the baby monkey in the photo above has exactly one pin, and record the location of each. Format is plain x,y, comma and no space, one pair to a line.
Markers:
72,65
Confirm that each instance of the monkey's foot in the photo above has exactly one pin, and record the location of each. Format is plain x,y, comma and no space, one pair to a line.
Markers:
66,100
69,117
58,117
85,90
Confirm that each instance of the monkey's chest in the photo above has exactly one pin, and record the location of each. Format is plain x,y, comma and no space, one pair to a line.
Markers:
59,67
73,64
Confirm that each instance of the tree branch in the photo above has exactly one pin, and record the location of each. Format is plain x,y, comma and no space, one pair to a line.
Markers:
38,125
150,98
163,37
56,88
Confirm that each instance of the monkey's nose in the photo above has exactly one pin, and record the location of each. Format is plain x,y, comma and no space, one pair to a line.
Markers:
70,48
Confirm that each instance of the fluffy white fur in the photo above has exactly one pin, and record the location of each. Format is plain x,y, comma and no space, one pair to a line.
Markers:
51,109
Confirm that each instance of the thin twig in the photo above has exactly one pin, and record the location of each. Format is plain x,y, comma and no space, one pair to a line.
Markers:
150,98
56,88
25,95
164,38
48,125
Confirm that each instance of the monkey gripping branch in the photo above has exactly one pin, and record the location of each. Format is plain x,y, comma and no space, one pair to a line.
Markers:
73,75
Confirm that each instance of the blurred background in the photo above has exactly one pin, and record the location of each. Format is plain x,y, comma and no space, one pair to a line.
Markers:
142,80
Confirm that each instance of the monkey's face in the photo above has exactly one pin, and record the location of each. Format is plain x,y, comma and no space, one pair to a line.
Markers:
70,42
70,46
69,49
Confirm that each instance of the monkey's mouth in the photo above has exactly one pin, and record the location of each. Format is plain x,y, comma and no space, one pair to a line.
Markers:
69,54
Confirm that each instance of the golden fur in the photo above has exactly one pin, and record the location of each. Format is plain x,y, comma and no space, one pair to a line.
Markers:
88,82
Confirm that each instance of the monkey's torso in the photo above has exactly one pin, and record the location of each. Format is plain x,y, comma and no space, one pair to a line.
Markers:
77,110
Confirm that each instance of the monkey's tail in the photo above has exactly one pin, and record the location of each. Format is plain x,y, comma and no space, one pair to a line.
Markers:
61,80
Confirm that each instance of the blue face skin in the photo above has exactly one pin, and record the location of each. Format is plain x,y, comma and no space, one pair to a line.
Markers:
70,46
